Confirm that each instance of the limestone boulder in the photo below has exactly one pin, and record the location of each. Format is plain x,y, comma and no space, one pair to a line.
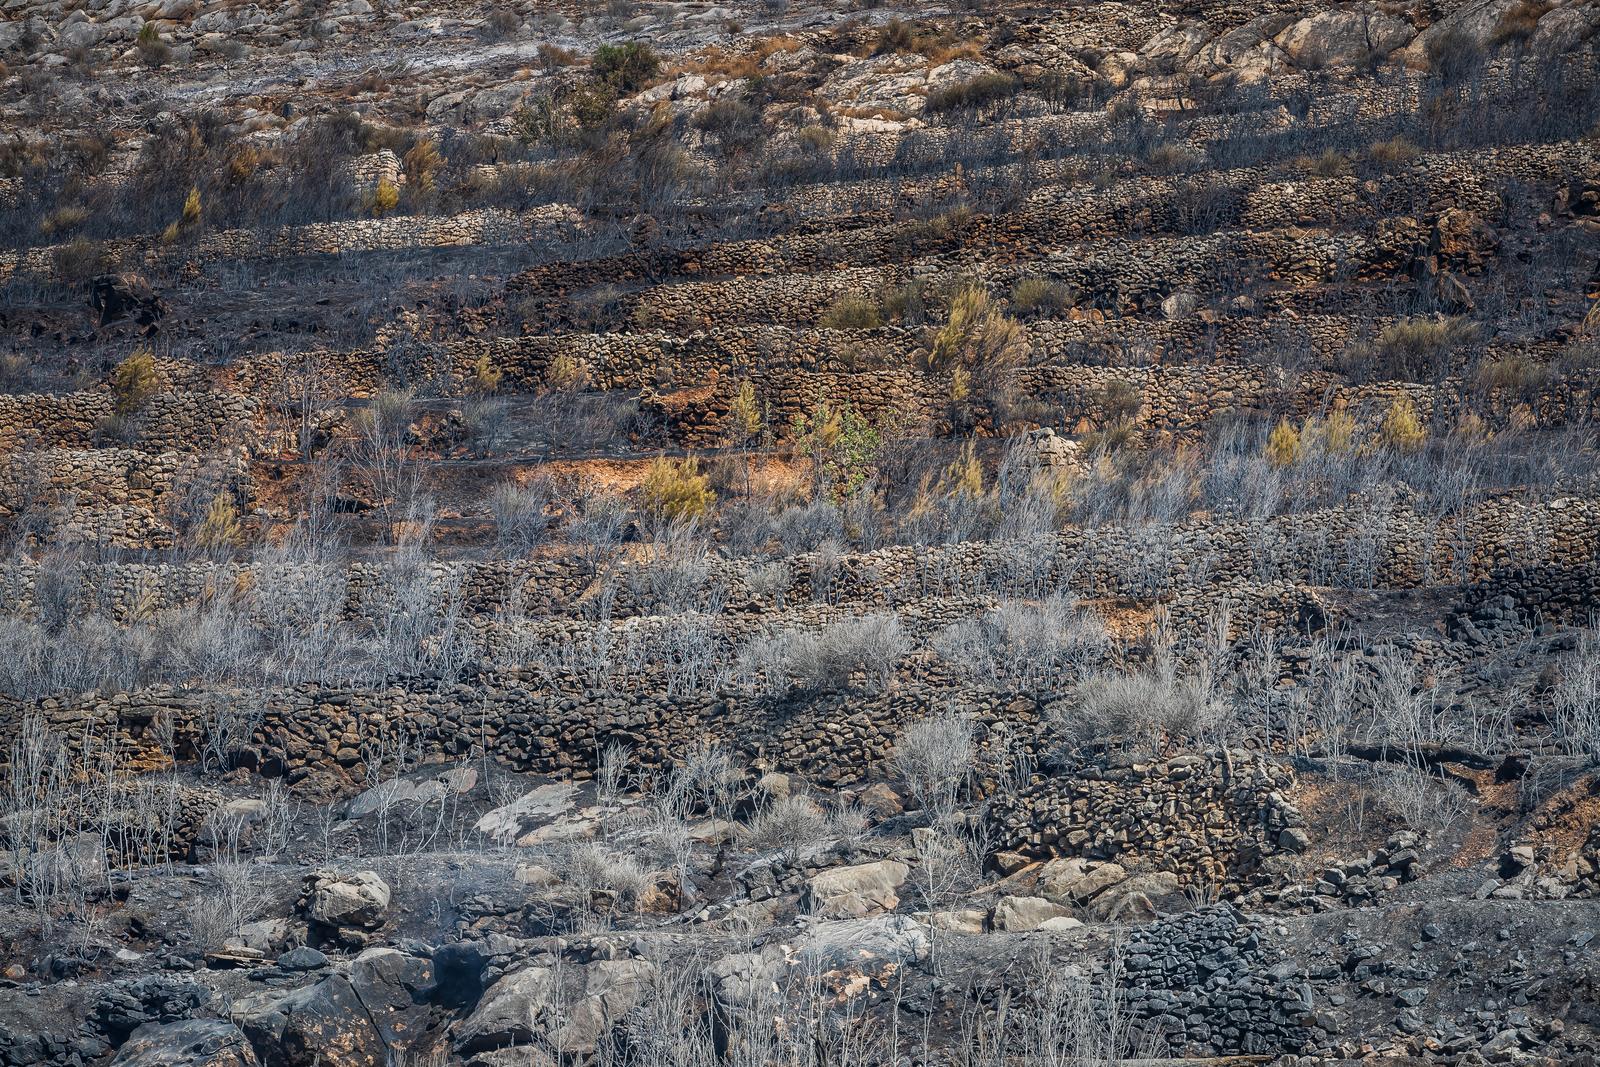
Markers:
1343,37
359,900
572,1010
856,891
187,1043
1076,881
1021,914
1140,897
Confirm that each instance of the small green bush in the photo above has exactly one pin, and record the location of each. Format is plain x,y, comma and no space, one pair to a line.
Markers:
1040,296
981,91
852,313
675,489
628,67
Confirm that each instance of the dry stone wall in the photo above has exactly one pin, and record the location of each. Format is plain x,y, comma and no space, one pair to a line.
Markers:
483,227
1552,548
1202,816
118,497
1208,818
177,421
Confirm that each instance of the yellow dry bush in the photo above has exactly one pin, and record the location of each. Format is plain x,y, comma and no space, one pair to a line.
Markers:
965,475
133,382
1471,427
744,415
1337,433
852,313
1394,152
1330,164
422,161
566,372
960,384
220,527
1284,447
977,335
675,489
1041,296
385,198
1402,430
485,375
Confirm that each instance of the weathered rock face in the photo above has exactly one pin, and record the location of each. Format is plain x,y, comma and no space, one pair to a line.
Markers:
321,1025
1343,37
397,991
188,1043
126,297
569,1009
1076,881
1021,914
126,1006
857,891
338,901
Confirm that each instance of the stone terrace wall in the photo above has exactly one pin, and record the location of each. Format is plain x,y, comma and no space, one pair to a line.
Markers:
115,496
1218,813
1207,818
485,227
178,421
1557,543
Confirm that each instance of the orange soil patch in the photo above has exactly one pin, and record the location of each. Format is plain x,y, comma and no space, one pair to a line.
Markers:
1125,620
1566,818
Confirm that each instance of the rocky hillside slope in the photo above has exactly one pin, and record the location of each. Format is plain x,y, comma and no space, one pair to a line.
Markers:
799,533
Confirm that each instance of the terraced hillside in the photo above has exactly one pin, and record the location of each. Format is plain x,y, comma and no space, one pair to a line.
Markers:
799,533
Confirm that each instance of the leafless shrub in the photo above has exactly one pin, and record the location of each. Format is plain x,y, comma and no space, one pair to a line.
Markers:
416,624
795,826
869,646
1575,698
1424,802
677,575
686,647
596,532
762,665
610,772
1148,708
522,515
1404,709
235,897
381,454
934,757
591,865
1025,647
769,581
227,724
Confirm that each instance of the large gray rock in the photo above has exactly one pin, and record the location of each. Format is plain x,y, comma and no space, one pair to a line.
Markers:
1143,896
512,822
397,990
1343,37
322,1025
1074,880
571,1010
857,891
404,796
359,900
187,1043
1022,914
